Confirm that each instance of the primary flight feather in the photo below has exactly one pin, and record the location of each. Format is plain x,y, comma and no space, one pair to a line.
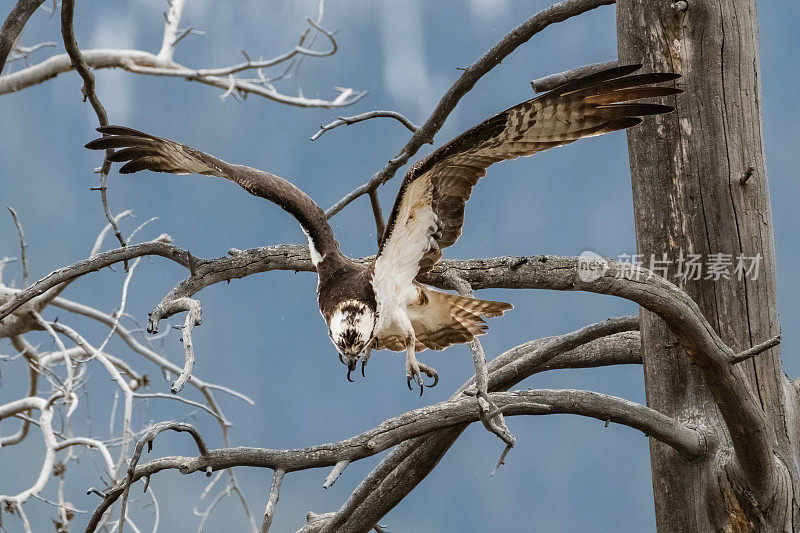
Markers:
382,305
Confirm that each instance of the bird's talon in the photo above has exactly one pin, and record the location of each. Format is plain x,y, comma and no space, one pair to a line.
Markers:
351,365
435,377
363,366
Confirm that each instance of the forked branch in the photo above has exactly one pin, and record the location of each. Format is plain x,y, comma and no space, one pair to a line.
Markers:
425,133
414,424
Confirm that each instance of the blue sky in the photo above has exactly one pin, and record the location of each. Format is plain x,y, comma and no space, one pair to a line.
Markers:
263,335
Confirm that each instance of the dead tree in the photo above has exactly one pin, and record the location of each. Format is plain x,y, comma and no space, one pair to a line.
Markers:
720,414
704,190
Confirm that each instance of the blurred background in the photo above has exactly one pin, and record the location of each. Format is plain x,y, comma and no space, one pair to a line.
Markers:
263,335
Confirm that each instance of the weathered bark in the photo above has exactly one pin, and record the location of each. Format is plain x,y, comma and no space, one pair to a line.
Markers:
700,187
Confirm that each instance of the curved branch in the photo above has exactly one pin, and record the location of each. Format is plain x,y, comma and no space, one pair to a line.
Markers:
141,62
89,93
424,135
347,121
93,264
420,422
12,26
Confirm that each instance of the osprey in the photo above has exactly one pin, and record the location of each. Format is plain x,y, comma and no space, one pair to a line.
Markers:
383,305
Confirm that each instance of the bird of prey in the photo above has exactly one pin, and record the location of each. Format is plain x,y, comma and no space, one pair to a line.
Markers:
383,305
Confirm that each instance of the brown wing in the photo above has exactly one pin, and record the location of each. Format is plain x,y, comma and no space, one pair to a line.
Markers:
142,151
428,213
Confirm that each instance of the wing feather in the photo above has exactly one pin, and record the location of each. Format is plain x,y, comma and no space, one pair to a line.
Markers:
142,151
428,213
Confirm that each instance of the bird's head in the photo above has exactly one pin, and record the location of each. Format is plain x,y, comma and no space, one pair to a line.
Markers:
351,328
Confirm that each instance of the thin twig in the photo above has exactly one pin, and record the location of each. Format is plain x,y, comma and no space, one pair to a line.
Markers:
23,248
24,52
424,134
362,117
88,90
756,350
193,318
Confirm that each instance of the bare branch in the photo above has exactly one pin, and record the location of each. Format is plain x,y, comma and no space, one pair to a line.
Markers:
193,318
377,213
172,19
24,52
420,422
499,426
756,350
341,121
141,62
93,264
520,35
88,90
374,497
127,337
32,356
337,470
23,248
548,83
272,501
12,27
147,439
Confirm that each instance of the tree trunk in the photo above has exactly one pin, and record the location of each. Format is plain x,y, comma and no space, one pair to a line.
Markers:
700,187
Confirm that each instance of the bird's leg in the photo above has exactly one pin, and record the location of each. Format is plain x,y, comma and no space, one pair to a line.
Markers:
412,365
415,369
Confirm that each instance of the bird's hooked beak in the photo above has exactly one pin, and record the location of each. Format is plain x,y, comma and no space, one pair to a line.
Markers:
352,363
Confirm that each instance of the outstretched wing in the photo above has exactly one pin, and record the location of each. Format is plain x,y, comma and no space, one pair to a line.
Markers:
428,212
142,151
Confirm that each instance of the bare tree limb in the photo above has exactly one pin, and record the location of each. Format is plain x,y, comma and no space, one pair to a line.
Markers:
93,264
33,377
148,439
88,90
272,500
162,64
193,318
424,134
347,121
24,52
420,422
337,470
409,463
377,213
756,350
23,248
499,426
12,26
